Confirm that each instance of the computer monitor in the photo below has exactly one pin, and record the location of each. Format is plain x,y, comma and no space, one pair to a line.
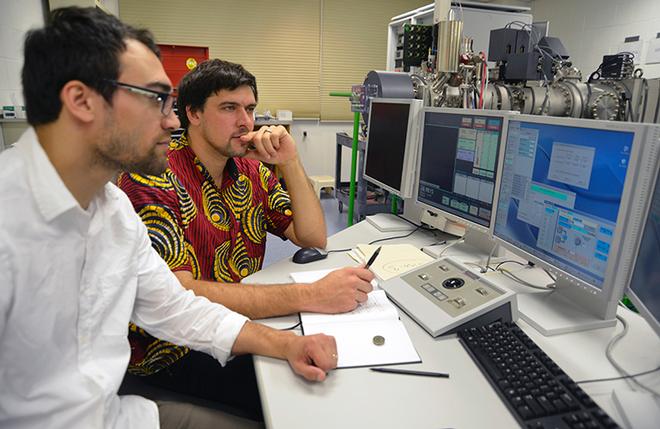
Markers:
458,163
644,287
392,142
570,200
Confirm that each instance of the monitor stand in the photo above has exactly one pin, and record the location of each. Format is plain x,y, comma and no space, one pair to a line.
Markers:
475,242
550,313
386,222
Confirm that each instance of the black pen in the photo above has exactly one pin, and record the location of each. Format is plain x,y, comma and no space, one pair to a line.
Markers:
373,257
411,372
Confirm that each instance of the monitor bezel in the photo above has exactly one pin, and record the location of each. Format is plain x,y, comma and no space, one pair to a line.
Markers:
408,172
469,224
636,300
600,302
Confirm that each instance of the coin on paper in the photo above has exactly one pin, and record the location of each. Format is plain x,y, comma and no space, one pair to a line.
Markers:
379,340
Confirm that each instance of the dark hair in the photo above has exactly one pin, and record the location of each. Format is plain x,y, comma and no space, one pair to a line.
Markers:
206,79
76,44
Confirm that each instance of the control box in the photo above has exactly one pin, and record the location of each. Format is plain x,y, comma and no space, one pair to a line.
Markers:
444,296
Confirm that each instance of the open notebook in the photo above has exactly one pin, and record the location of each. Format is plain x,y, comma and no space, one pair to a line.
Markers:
359,333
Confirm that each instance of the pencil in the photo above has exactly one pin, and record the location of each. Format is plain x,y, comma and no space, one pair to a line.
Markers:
411,372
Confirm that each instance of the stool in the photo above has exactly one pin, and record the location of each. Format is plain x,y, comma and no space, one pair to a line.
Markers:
320,182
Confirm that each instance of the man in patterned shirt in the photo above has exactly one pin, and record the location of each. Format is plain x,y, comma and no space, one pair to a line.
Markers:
208,216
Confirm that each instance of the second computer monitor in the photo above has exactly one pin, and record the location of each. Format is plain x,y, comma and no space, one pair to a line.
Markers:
458,163
392,144
644,287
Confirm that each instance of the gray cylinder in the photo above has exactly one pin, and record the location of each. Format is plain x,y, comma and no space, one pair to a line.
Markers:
450,34
390,84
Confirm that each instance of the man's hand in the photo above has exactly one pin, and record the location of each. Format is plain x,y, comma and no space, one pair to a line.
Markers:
312,356
309,356
340,291
272,144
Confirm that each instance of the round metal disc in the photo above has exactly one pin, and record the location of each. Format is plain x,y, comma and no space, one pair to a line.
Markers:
379,340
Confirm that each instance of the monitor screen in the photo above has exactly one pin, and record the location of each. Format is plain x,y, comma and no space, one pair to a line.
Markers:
644,287
458,163
560,194
388,141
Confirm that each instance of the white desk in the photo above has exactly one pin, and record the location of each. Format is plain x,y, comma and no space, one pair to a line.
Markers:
359,398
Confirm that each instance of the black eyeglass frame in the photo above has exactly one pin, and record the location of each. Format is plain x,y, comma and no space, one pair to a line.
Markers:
160,96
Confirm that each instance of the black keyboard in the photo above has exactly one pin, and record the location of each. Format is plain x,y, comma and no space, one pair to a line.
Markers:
537,391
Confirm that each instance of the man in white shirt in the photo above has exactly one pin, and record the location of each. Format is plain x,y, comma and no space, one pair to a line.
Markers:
76,263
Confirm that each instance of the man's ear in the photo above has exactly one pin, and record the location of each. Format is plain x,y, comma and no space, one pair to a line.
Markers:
79,100
194,115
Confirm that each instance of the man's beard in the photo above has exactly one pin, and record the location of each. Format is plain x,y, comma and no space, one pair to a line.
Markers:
227,150
119,153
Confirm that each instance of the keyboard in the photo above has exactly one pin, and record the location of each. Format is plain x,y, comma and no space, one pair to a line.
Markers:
534,388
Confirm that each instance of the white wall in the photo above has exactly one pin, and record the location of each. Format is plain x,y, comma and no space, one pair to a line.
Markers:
592,28
16,17
317,150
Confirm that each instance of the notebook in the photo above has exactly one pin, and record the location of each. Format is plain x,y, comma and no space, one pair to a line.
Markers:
372,334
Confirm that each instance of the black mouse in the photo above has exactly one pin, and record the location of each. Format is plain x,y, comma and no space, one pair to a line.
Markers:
309,254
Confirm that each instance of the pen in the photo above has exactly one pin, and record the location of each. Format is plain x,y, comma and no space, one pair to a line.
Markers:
411,372
373,257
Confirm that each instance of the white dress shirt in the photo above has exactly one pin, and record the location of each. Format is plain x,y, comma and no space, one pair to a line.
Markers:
70,281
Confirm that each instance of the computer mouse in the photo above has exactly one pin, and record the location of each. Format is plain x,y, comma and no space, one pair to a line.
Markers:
309,254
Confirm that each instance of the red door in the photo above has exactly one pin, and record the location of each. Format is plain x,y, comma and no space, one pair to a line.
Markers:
179,60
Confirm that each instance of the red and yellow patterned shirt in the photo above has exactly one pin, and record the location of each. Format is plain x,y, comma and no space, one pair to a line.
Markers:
216,234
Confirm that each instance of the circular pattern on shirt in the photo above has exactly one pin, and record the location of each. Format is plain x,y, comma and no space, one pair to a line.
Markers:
240,263
152,354
264,175
214,209
187,206
221,263
279,200
239,195
180,143
160,182
194,262
253,224
165,234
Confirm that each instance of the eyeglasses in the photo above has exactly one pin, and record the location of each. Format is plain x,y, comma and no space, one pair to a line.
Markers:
165,98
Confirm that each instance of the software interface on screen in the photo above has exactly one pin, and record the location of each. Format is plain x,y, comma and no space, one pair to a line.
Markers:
560,194
645,281
388,127
458,165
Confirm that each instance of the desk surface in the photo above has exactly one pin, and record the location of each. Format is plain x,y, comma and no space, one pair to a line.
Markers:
359,398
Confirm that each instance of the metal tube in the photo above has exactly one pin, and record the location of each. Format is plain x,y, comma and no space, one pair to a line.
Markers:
449,45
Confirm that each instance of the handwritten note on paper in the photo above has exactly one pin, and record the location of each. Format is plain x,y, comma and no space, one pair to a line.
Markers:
376,307
394,259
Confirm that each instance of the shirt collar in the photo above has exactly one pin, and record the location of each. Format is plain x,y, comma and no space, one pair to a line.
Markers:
50,193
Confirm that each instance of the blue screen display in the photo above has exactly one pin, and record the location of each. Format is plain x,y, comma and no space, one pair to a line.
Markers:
645,282
561,192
